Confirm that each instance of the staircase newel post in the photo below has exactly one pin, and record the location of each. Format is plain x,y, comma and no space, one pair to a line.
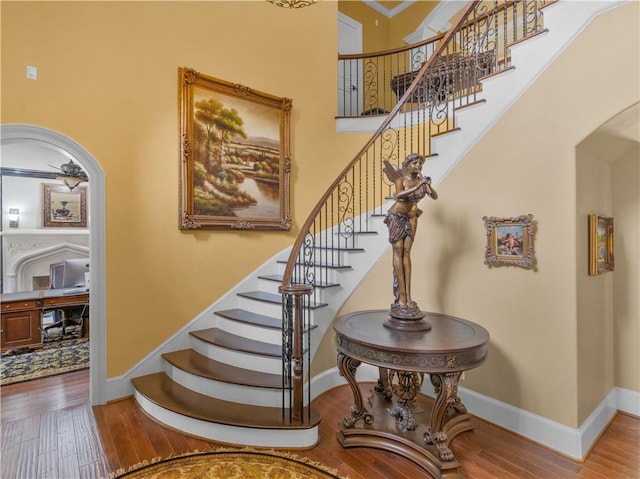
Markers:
293,346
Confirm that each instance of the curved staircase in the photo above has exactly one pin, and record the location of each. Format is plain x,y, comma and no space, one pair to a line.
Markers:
221,377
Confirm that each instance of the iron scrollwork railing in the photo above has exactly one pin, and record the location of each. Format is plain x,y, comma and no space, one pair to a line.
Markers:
372,83
432,79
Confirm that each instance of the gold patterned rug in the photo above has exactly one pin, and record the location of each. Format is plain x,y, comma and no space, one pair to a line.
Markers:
230,464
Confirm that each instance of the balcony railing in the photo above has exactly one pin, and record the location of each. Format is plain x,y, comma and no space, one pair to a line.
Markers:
372,84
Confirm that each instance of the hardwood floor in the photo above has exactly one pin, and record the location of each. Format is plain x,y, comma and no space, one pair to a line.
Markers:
49,430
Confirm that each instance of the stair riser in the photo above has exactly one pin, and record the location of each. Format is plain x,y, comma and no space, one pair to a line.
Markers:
329,275
328,256
251,395
260,307
227,434
319,295
238,358
249,331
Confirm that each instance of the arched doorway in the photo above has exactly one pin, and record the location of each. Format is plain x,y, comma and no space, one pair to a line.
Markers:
16,133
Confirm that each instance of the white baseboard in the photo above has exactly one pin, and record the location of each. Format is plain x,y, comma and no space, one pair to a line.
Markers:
574,443
628,401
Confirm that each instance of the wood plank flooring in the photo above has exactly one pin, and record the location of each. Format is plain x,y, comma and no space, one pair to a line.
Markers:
49,430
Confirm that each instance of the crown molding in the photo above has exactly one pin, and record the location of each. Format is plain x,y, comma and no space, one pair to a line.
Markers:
385,11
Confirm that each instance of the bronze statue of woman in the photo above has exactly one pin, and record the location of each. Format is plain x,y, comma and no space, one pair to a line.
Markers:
402,220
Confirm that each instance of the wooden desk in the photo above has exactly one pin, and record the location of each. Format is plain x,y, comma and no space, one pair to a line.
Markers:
21,315
397,418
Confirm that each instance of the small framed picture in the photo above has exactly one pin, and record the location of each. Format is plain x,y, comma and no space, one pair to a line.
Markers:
600,244
509,241
62,208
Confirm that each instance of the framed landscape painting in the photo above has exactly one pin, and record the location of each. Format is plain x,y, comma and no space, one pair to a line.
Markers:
234,155
62,208
600,244
509,241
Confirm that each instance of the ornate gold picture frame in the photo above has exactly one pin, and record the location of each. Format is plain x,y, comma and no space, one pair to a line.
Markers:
234,155
509,241
600,244
62,208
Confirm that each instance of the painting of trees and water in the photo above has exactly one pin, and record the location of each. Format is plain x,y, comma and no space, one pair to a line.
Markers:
236,149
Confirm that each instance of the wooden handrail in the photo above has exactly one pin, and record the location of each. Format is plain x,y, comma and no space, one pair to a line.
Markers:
413,46
286,280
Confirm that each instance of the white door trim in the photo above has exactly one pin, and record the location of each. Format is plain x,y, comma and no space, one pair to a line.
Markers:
15,132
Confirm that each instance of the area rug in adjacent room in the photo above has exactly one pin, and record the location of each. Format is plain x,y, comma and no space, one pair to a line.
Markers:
231,464
63,357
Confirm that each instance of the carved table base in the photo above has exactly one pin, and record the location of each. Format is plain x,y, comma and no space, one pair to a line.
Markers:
377,425
396,416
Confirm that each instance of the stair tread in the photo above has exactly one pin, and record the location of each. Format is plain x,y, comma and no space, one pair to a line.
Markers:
163,391
193,362
227,340
279,277
263,296
275,298
249,317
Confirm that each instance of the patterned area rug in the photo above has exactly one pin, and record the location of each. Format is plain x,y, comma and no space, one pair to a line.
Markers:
55,358
230,464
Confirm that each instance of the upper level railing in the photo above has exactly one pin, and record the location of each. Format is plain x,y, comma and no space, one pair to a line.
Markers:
373,83
430,81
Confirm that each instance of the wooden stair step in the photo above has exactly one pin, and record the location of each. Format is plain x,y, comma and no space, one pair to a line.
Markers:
161,390
470,104
249,317
223,339
255,319
193,362
274,298
279,277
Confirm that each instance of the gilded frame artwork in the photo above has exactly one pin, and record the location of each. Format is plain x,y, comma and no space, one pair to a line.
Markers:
235,160
62,208
509,241
600,244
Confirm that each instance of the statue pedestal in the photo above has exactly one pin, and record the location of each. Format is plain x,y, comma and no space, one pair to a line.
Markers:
403,324
407,319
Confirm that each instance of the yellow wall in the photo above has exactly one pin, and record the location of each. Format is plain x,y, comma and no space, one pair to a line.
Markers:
608,304
375,26
527,164
107,78
595,294
407,21
381,33
626,280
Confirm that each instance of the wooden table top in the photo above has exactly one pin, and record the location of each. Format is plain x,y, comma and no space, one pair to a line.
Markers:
452,344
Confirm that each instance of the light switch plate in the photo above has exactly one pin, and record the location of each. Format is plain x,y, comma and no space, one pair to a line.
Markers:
32,72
